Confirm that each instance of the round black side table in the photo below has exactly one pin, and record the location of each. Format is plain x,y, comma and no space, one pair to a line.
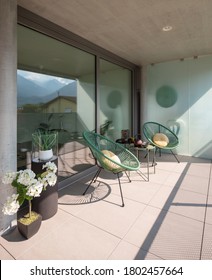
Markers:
47,203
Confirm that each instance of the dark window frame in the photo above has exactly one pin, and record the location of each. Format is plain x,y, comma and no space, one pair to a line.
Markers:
37,23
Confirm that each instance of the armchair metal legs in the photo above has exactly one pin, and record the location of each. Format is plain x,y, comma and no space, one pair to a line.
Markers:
93,180
158,149
122,199
175,156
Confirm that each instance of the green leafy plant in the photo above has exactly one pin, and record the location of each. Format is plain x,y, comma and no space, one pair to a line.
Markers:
44,139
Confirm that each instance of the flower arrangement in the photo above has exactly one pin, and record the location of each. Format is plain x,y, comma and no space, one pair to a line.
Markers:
28,185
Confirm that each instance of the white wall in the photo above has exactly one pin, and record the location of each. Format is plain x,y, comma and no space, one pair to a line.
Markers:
191,80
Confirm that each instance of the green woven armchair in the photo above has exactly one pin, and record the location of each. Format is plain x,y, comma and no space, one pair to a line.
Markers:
110,156
161,137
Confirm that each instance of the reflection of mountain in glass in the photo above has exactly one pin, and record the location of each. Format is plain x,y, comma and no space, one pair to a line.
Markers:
31,92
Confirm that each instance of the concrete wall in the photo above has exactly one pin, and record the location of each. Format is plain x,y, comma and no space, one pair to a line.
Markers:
8,99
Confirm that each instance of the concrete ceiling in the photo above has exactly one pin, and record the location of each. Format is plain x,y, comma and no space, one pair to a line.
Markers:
132,29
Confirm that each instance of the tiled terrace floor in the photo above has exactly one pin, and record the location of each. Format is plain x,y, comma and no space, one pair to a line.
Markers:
169,217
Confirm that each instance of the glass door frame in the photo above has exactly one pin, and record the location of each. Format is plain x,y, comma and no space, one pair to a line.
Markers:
37,23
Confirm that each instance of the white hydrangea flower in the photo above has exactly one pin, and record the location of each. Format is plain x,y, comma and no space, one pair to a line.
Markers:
28,185
9,177
11,205
35,189
26,177
43,182
51,178
50,166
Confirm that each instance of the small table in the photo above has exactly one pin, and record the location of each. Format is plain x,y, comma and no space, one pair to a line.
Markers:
148,149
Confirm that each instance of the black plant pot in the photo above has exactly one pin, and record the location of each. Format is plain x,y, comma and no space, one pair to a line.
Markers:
47,203
31,229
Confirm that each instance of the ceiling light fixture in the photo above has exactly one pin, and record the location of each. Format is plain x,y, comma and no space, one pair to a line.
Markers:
167,28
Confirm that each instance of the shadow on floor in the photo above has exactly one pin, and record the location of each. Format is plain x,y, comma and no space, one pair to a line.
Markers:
74,194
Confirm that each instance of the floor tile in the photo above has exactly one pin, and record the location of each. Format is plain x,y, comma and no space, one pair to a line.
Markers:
159,177
109,216
199,169
188,204
72,200
207,243
210,186
143,226
208,218
177,238
195,184
140,191
163,198
16,244
166,235
79,241
170,166
172,179
4,254
127,251
165,218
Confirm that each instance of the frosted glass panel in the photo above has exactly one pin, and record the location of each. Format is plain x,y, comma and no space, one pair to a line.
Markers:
201,107
179,95
115,96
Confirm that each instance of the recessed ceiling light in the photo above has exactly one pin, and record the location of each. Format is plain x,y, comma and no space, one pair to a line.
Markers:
167,28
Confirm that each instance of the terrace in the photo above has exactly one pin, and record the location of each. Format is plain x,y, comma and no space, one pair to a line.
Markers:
169,217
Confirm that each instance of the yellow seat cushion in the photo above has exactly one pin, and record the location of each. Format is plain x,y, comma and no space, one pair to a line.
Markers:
109,164
160,139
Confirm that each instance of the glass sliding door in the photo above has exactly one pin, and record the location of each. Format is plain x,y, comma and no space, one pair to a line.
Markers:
56,91
115,99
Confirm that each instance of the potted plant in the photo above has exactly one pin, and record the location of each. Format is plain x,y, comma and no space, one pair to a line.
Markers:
44,143
28,185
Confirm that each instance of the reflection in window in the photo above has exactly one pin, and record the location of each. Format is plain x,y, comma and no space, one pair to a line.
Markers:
56,86
57,90
115,99
49,103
